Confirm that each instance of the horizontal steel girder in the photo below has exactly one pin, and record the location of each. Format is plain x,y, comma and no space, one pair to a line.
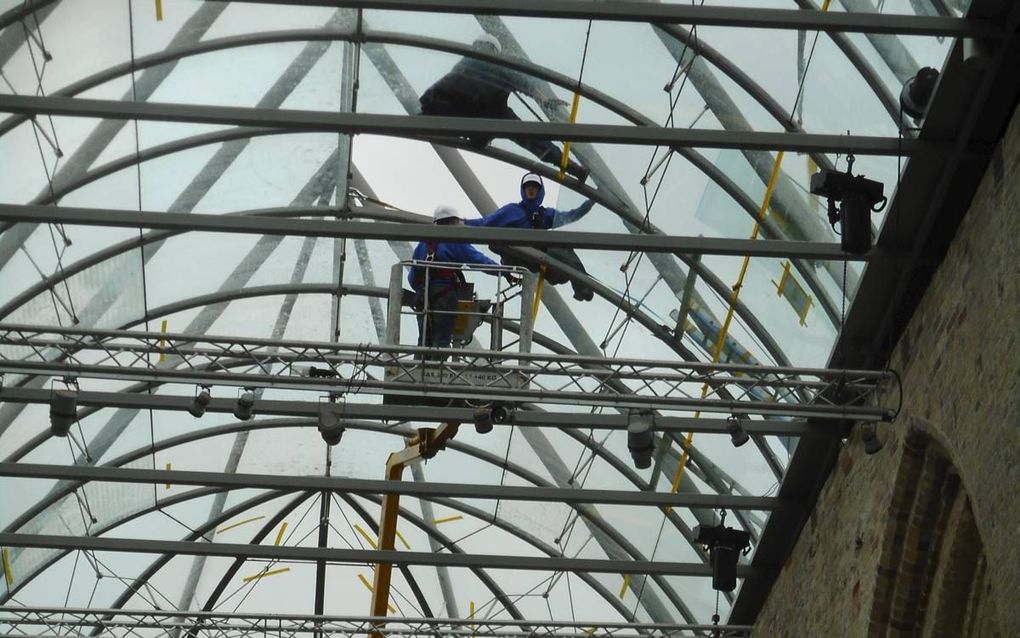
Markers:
417,413
403,488
433,126
666,13
228,624
336,555
265,225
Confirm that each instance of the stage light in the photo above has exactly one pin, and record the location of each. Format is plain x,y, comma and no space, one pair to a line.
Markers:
201,402
485,416
245,405
917,91
640,440
483,420
63,411
330,424
869,436
735,428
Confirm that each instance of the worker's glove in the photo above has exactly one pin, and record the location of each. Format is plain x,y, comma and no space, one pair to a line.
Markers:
512,280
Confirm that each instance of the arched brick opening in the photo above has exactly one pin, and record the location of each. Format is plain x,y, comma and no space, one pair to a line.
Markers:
932,578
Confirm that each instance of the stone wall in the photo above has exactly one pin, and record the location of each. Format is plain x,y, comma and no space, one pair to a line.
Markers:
960,364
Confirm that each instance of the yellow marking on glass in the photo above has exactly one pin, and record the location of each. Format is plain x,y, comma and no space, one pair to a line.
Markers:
168,469
240,523
626,584
271,572
565,157
783,279
162,341
439,521
368,586
538,292
279,535
589,630
402,539
159,10
365,535
721,340
8,575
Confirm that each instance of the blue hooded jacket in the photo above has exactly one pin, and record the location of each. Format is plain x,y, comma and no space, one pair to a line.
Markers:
520,214
450,253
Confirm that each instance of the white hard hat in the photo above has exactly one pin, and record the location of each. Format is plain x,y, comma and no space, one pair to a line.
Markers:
531,178
446,212
491,40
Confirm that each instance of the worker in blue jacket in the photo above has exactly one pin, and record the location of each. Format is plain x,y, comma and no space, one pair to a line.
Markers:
478,88
436,318
529,213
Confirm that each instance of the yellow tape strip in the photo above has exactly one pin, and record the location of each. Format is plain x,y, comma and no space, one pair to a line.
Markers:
439,521
8,575
365,535
565,158
162,342
626,584
279,535
368,586
402,539
240,523
538,292
272,572
159,10
721,340
168,469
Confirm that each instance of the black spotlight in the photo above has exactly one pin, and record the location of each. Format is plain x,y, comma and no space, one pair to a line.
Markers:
483,420
330,424
724,547
851,200
640,441
917,92
63,411
869,436
735,428
245,405
201,402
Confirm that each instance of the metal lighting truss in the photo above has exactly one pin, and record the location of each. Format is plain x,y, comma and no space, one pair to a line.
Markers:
121,622
510,377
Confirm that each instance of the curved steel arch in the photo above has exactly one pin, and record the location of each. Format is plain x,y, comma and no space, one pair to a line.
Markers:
610,103
68,486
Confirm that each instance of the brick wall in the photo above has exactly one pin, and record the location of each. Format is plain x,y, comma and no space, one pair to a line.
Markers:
856,568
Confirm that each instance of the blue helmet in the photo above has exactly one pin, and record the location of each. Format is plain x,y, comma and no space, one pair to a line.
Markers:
532,204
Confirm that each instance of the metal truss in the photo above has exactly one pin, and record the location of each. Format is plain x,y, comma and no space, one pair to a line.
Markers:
403,488
475,375
158,623
424,125
260,224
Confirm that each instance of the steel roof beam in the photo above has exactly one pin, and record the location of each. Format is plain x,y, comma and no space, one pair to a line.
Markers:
425,125
421,413
266,225
665,13
339,555
402,488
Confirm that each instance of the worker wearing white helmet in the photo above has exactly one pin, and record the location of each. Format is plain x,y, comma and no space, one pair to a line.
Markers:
436,287
478,88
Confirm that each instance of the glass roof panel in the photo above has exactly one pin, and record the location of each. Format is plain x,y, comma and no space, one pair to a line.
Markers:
219,288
